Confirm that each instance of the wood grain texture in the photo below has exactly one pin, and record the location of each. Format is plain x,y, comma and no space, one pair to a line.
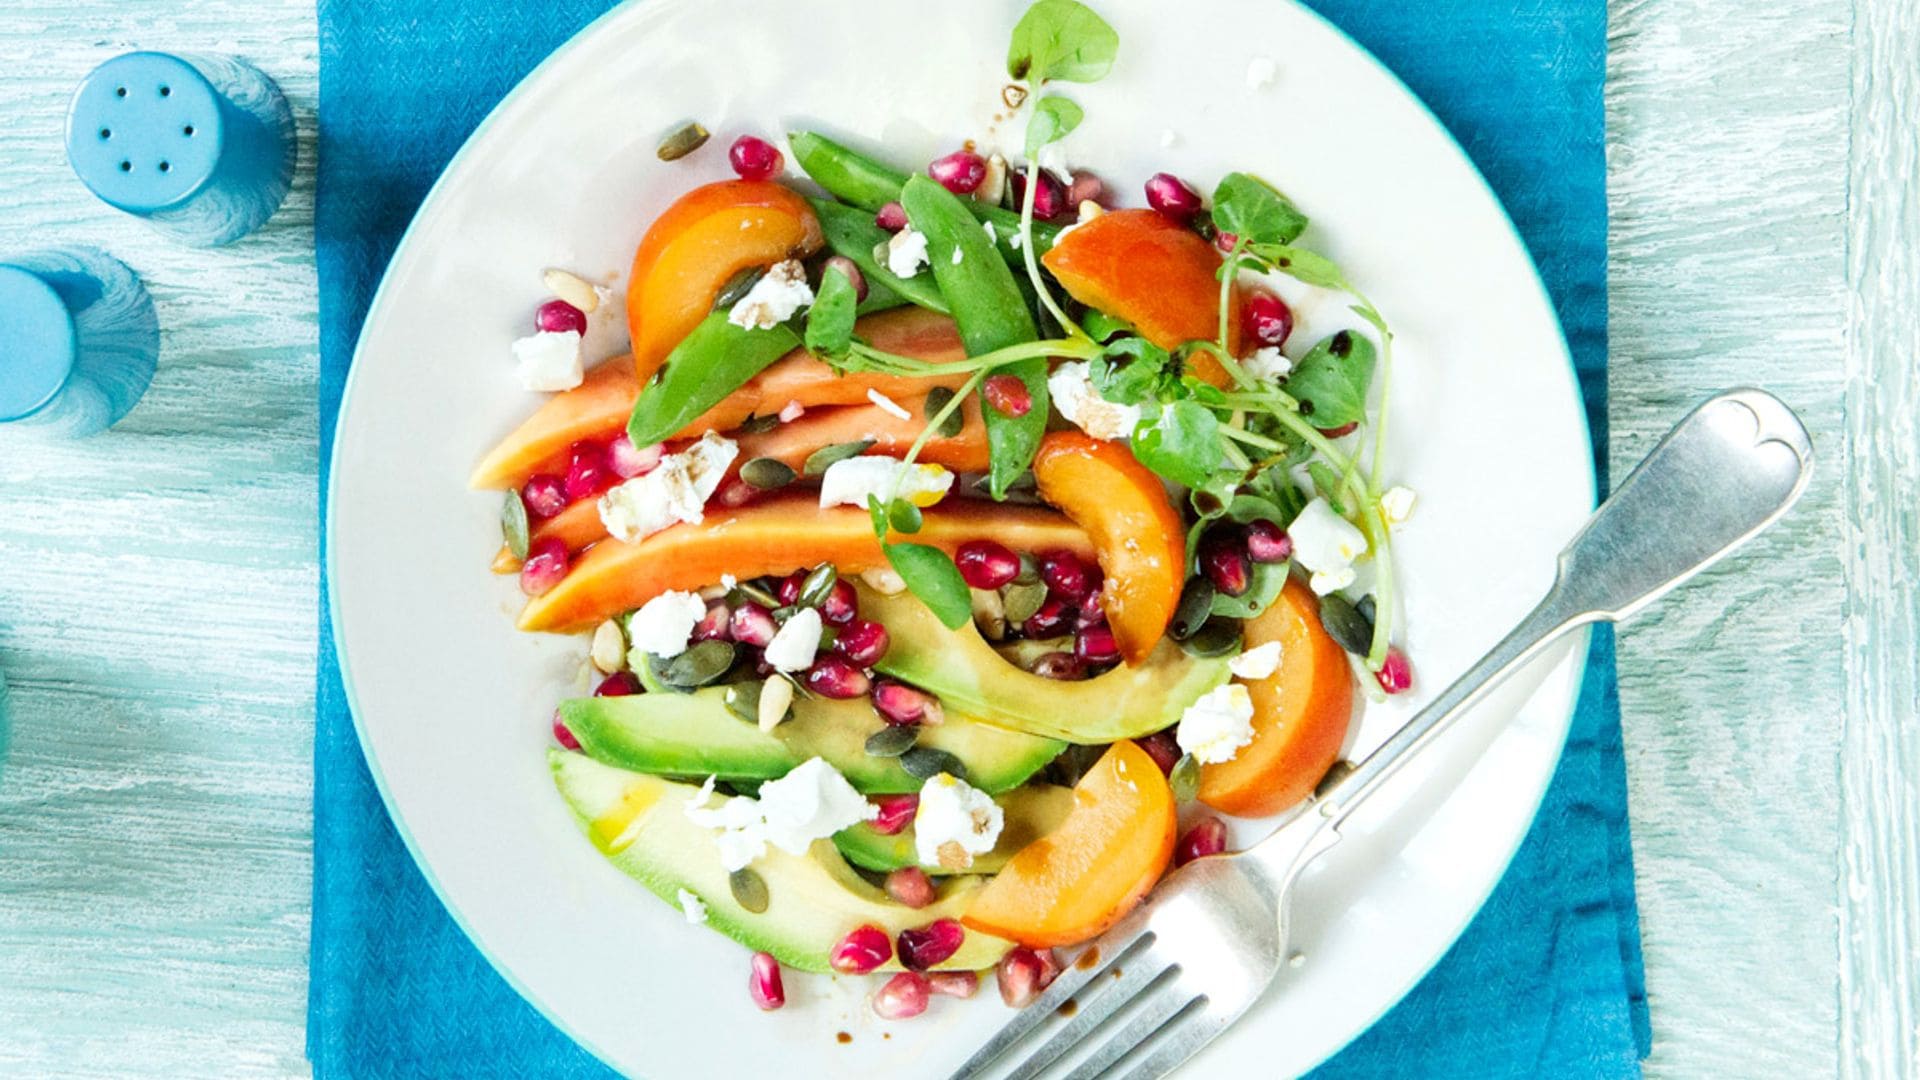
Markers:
157,610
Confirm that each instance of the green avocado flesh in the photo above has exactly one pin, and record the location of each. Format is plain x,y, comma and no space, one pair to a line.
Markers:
1031,813
695,734
813,900
970,677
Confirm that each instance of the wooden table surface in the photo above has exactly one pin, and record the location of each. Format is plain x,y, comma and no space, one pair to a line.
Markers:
157,584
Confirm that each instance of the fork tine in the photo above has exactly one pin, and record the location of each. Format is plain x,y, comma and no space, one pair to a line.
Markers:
1094,1010
1065,985
1182,1038
1166,1009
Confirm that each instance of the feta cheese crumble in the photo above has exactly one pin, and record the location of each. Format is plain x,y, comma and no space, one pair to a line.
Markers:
676,490
1261,71
1169,138
955,822
796,641
662,626
906,252
850,481
810,803
957,255
1071,387
1258,662
774,299
1268,364
1214,728
888,405
694,908
1397,505
992,237
1326,544
549,360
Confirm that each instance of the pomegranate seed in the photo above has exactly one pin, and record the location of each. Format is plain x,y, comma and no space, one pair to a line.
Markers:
1066,576
563,734
930,945
1226,564
759,661
1268,543
833,677
588,473
903,997
903,706
755,158
618,684
863,643
842,604
1007,394
751,624
1163,748
1085,187
1023,974
628,461
851,271
861,951
1095,645
959,172
736,493
764,984
896,813
1050,620
891,217
1171,196
544,494
1267,320
911,886
1395,675
986,564
1063,666
1207,837
715,625
789,589
546,564
1049,199
1342,430
960,984
1090,610
1226,241
558,317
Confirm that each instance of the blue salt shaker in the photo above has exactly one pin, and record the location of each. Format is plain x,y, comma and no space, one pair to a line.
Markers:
78,341
201,147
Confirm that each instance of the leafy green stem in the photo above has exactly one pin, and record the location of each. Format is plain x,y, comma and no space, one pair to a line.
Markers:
1033,264
863,357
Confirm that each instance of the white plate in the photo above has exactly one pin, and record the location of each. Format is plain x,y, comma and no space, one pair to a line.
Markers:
452,703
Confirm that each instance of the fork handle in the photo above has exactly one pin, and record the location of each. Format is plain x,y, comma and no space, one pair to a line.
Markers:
1728,470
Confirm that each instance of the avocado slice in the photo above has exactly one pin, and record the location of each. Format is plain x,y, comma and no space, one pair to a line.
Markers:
1031,813
695,734
813,900
970,677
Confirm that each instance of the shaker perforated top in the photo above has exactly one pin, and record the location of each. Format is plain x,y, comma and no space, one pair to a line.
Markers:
144,132
38,344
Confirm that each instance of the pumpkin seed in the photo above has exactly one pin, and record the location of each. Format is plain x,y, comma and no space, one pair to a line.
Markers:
925,763
513,524
824,458
893,741
776,703
1366,607
756,425
767,473
743,701
1029,570
1022,599
753,592
1217,637
937,399
749,890
818,585
682,141
699,665
737,286
1344,623
1196,603
1185,778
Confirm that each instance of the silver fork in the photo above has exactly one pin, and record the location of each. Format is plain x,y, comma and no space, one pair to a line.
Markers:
1172,975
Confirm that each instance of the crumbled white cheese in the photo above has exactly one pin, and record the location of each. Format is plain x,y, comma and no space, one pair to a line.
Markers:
676,490
954,823
774,299
810,803
1326,544
1169,138
848,482
728,581
1018,241
957,255
906,252
1258,662
888,405
796,641
549,360
1268,363
662,626
1071,388
992,237
1261,71
694,908
1214,728
1397,505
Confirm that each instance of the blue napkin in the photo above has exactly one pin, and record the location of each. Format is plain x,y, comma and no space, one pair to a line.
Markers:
1545,982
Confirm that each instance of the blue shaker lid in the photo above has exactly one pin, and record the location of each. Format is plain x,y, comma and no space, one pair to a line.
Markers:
37,343
144,132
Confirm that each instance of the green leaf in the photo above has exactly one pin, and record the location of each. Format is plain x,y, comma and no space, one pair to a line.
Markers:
1252,210
1306,266
936,401
830,319
1054,118
710,363
1182,443
1131,372
1327,483
903,516
1331,381
1101,326
935,580
1062,39
878,514
1267,579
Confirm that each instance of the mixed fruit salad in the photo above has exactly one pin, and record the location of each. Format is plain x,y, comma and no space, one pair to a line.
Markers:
948,539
